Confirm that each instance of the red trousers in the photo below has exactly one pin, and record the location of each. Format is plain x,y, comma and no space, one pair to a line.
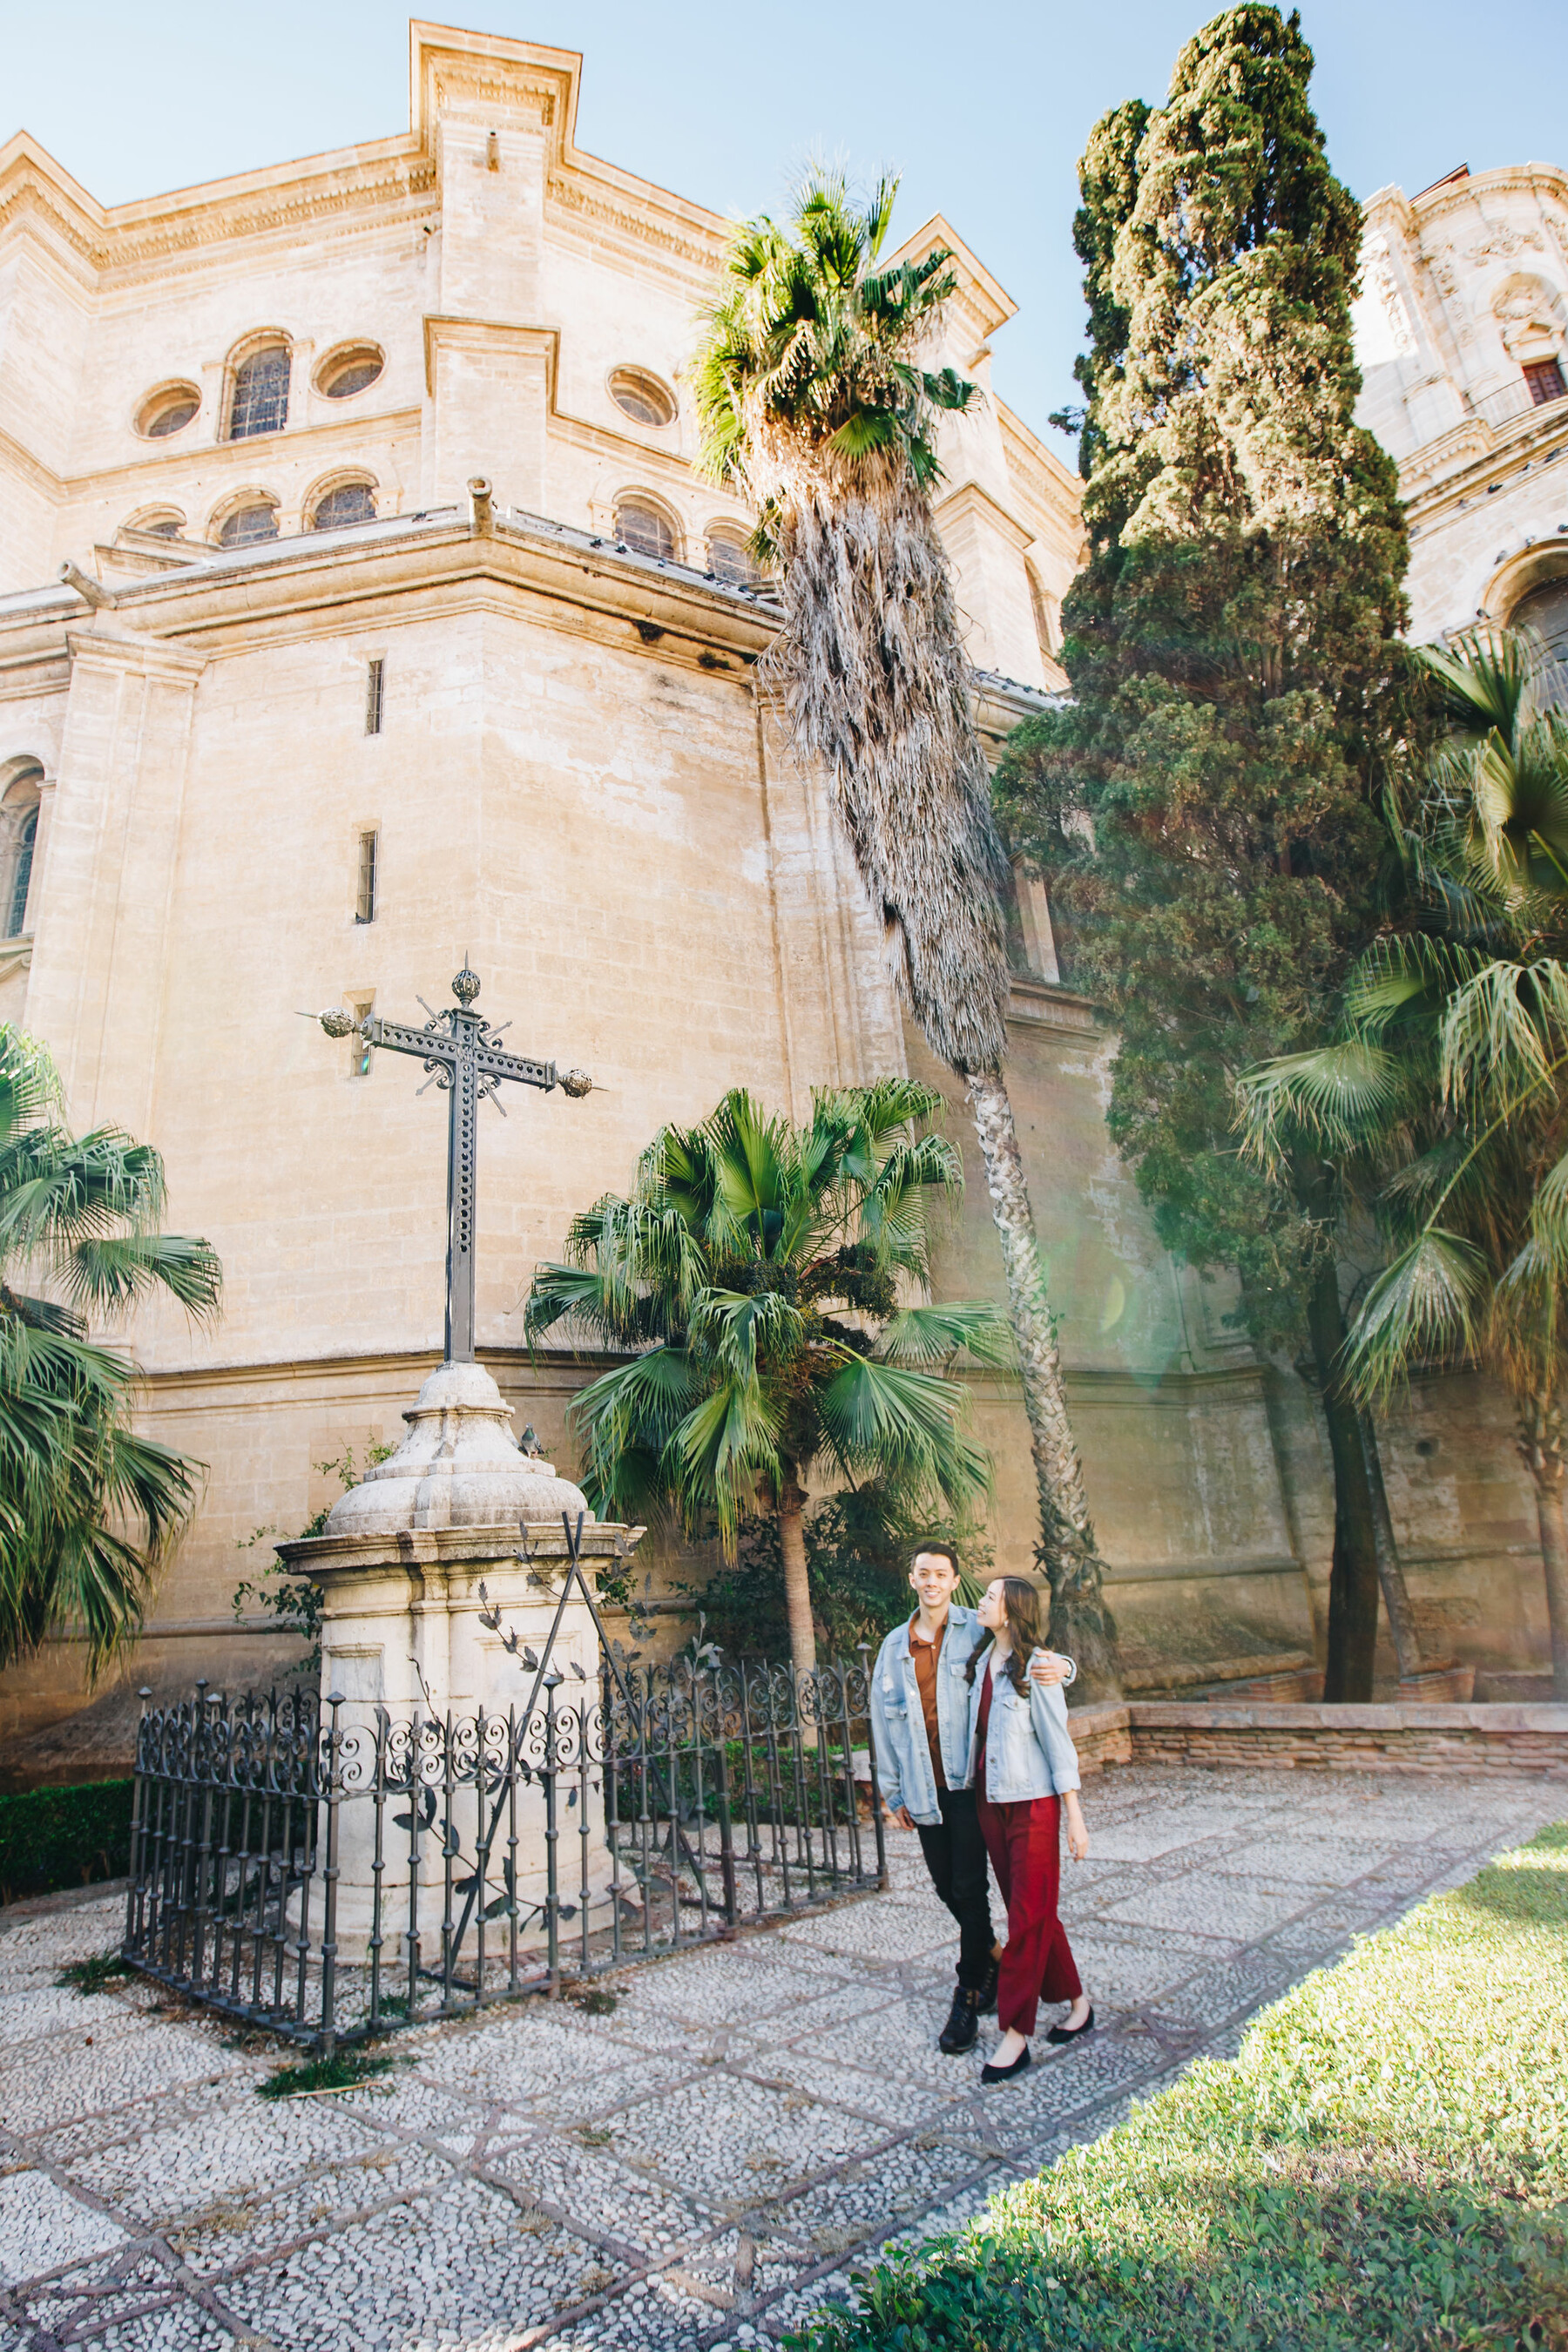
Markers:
1023,1842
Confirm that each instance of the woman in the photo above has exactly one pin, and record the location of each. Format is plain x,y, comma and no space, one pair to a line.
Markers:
1023,1767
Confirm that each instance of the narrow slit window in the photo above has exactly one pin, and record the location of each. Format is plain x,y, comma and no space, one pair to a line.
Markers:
376,684
365,901
21,876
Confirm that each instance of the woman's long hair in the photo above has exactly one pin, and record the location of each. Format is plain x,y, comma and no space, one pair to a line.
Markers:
1024,1603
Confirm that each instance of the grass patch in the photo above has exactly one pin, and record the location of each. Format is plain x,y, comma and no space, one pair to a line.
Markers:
1383,2164
55,1838
104,1969
344,2071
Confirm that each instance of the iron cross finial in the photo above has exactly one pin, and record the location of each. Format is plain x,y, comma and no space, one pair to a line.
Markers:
458,1048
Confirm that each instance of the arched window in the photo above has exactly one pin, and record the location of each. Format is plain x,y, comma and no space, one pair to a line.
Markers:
347,502
157,522
729,558
642,397
259,400
645,529
1541,618
257,519
18,838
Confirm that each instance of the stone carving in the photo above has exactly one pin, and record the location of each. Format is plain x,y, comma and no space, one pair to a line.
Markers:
1502,243
1383,282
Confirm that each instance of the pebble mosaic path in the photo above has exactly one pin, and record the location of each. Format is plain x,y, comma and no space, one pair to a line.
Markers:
699,2166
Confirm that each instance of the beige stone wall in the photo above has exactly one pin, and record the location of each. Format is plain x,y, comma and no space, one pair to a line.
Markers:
576,788
1463,285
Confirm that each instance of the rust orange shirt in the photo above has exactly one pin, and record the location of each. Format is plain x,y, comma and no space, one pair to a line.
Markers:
926,1655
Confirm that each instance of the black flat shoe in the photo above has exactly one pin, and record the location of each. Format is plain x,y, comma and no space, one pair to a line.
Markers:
1005,2073
963,2025
1072,2033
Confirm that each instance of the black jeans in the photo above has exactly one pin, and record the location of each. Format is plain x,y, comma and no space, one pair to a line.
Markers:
956,1857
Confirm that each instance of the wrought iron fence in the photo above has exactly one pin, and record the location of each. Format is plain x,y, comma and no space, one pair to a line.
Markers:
330,1879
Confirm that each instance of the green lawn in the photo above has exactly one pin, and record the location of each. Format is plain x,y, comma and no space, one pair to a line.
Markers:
1384,2165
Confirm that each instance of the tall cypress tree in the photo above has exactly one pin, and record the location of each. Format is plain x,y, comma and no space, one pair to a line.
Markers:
1205,811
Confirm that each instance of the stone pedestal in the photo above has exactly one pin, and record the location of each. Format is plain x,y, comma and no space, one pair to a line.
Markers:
399,1569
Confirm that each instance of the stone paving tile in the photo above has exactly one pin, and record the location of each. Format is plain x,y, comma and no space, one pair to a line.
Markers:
704,2163
42,2228
460,2268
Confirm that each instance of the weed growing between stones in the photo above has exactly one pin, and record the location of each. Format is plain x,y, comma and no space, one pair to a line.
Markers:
344,2071
95,1975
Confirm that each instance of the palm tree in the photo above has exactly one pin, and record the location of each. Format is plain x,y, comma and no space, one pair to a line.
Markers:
1444,1098
757,1271
88,1508
815,406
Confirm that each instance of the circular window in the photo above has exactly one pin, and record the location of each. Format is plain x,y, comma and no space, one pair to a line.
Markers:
642,397
344,373
731,560
247,524
646,531
349,502
167,410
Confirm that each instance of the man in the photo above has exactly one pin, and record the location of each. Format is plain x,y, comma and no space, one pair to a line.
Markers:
920,1721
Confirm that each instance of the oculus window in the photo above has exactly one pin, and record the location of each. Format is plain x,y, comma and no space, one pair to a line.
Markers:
344,373
642,397
168,410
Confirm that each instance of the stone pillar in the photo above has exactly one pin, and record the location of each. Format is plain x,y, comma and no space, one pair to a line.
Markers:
399,1570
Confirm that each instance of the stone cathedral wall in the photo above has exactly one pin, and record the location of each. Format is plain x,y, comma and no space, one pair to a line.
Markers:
576,785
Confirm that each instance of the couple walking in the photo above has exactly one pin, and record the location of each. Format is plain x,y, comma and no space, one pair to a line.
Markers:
973,1750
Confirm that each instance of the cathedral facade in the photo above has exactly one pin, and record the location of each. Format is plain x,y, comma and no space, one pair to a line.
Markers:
362,613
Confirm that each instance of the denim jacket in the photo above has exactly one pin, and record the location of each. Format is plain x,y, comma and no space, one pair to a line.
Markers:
898,1720
1029,1748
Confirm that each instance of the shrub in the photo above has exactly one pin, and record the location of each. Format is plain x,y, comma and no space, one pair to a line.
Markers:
51,1838
1384,2163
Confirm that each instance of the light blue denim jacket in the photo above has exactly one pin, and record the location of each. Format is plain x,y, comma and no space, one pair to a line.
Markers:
1029,1748
898,1721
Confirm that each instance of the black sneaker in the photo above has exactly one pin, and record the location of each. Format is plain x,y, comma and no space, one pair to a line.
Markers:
963,2024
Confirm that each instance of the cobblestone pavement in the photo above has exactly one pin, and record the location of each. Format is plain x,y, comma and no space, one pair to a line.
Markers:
701,2165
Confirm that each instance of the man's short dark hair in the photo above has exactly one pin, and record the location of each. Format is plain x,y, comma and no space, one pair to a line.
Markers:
939,1551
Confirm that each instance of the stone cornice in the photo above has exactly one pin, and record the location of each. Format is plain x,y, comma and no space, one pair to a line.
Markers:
972,499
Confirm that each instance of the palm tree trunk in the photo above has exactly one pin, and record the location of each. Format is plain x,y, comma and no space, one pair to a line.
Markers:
1540,1443
1353,1582
797,1582
1390,1570
1082,1624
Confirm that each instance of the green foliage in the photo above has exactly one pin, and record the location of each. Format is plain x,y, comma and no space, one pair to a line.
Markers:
292,1602
1205,811
858,1548
756,1273
96,1974
344,2071
88,1509
53,1838
812,340
1385,2162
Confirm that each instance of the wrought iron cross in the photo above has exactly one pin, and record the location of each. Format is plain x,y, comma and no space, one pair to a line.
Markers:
458,1048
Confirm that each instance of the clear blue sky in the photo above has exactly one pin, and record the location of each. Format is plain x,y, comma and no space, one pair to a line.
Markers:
982,106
